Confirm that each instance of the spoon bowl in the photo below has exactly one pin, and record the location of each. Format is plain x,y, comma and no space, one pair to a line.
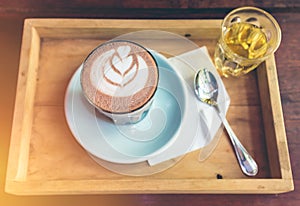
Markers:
206,87
206,90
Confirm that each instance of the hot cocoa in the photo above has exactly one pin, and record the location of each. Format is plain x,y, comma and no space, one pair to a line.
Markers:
119,77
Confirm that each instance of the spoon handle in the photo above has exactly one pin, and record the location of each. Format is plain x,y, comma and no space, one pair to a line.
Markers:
247,163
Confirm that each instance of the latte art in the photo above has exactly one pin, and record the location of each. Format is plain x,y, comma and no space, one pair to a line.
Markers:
122,67
119,76
114,70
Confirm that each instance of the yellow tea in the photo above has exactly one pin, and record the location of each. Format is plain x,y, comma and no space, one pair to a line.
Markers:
246,40
249,36
240,40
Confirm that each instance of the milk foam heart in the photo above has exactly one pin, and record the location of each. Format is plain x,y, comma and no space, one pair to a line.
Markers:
119,76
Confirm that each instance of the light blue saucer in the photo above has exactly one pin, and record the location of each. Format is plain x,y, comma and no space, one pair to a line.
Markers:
129,143
157,130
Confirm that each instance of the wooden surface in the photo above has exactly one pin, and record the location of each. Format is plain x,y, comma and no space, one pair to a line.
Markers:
52,50
287,14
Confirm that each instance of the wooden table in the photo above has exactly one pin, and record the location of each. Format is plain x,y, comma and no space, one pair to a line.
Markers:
12,14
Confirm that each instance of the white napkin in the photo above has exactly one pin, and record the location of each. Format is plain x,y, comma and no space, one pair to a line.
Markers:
186,65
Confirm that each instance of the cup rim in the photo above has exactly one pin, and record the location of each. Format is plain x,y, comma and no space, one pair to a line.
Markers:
119,113
268,15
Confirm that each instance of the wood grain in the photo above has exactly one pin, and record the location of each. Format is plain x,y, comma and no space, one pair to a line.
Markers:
31,5
47,64
180,9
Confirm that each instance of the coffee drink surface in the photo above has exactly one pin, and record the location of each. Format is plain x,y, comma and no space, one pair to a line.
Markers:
119,77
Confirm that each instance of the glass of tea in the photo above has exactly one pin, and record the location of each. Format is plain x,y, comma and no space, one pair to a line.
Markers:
249,36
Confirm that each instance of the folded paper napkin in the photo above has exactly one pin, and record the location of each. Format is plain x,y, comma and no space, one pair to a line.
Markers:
186,66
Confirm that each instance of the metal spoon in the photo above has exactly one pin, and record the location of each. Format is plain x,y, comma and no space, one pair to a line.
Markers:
206,89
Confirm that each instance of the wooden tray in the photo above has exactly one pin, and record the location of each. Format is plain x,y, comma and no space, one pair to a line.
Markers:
45,158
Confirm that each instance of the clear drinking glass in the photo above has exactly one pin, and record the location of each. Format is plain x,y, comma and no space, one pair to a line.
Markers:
249,36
